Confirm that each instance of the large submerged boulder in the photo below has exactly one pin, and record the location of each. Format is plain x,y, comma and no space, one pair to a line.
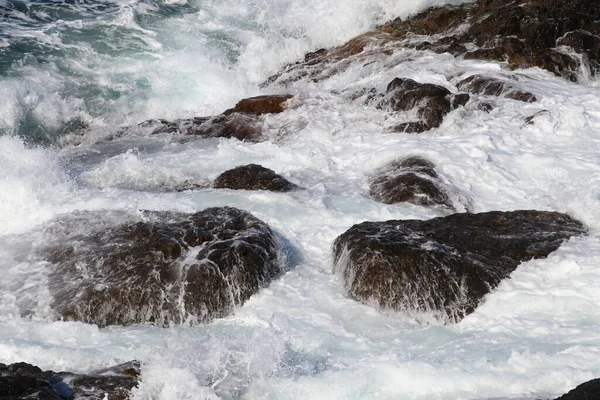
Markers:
411,180
444,266
26,381
253,177
168,268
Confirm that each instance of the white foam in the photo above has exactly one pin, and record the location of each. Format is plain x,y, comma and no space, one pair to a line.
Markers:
535,336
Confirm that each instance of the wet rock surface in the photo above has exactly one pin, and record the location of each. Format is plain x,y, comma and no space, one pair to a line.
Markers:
586,391
253,177
432,103
168,268
411,180
272,104
444,266
240,122
523,33
26,381
478,84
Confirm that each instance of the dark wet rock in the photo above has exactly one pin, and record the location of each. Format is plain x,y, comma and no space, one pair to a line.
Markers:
26,381
432,102
115,382
494,87
241,122
586,391
21,380
586,43
444,266
459,99
522,33
272,104
411,180
253,177
167,268
235,125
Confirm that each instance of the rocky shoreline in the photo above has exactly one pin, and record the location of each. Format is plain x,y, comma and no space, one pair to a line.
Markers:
169,268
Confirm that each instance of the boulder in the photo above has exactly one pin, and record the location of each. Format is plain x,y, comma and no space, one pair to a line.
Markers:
168,268
272,104
241,122
443,266
586,391
26,381
253,177
479,84
411,180
432,103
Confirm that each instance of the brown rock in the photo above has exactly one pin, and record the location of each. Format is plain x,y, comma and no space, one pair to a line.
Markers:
253,177
444,266
272,104
168,268
432,101
411,180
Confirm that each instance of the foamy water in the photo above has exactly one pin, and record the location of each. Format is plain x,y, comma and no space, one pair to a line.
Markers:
535,336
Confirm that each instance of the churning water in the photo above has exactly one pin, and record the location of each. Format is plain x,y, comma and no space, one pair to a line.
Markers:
73,65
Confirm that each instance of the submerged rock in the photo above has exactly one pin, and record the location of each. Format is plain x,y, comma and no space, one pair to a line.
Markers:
168,268
444,266
586,391
432,103
253,177
494,87
411,180
26,381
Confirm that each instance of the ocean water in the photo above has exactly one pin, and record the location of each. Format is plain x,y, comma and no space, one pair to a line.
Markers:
100,65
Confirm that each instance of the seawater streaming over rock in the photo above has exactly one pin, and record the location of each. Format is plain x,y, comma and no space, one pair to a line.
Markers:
412,180
169,268
444,266
523,33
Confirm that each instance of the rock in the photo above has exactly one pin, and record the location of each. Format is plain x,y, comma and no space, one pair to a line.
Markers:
431,101
235,125
523,33
26,381
253,177
586,391
169,268
273,104
494,87
459,99
444,266
586,43
116,382
411,180
241,122
21,380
